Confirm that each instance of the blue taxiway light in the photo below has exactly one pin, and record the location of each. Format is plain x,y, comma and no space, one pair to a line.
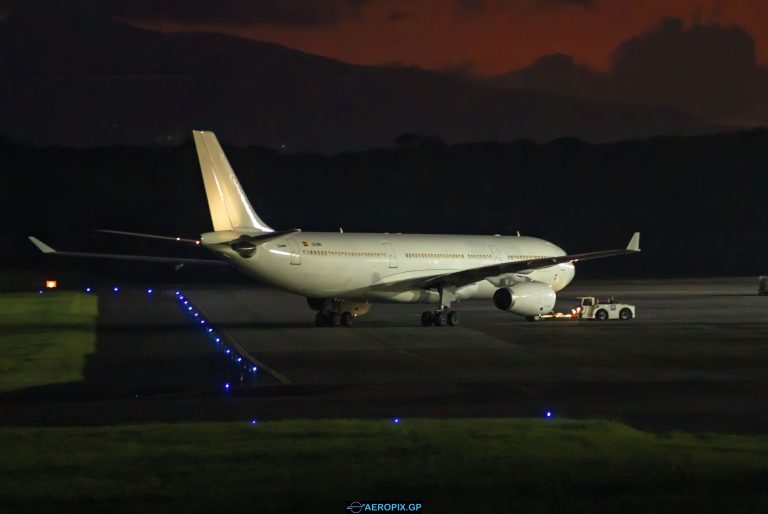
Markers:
178,293
239,359
41,291
226,386
254,369
189,308
202,322
149,291
218,340
548,414
227,351
196,314
87,289
254,421
186,302
210,330
116,289
396,420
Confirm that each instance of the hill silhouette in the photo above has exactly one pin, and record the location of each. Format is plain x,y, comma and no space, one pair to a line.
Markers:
76,79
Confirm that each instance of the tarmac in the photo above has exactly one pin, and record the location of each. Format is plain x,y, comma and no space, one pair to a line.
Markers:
695,358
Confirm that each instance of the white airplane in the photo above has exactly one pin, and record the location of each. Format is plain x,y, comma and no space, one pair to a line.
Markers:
341,274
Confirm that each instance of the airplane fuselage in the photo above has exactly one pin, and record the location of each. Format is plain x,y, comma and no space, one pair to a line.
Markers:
375,267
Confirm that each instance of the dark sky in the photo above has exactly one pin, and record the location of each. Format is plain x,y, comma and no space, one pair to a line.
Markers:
488,36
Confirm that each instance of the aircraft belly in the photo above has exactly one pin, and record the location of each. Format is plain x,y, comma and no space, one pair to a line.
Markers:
314,277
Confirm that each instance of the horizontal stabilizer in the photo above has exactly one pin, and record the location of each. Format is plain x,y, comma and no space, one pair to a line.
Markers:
137,258
41,246
148,236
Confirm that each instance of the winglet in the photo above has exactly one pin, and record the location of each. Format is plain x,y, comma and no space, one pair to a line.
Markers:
41,246
634,243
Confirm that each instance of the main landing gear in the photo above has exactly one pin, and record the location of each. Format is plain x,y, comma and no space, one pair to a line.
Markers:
439,318
334,312
442,316
334,319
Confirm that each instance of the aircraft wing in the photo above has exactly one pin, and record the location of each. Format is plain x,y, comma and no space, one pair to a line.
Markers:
138,258
470,276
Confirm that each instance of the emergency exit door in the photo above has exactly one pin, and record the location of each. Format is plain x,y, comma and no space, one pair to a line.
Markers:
391,255
295,252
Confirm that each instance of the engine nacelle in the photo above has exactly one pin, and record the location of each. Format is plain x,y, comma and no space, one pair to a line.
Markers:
467,292
526,298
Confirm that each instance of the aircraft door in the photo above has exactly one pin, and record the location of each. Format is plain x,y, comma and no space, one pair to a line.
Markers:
391,255
295,253
495,253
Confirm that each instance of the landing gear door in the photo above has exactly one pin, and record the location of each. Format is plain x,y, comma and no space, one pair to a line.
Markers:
295,254
391,255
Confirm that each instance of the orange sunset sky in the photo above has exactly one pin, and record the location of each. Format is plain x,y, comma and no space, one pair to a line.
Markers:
490,36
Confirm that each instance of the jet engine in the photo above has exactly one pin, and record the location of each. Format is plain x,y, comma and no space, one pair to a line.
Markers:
526,298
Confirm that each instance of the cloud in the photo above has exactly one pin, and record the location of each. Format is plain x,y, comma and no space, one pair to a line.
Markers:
462,68
483,5
555,73
223,12
398,16
566,3
472,5
671,48
707,70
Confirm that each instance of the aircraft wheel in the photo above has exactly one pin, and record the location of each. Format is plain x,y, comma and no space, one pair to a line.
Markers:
601,315
440,318
334,319
347,319
533,318
321,319
426,319
453,318
625,314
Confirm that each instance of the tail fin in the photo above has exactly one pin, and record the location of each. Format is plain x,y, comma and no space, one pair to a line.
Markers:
230,209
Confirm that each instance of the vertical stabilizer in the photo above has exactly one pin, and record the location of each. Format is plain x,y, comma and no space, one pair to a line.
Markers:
230,208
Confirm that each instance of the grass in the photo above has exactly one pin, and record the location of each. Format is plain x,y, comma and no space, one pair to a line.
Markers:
44,338
480,465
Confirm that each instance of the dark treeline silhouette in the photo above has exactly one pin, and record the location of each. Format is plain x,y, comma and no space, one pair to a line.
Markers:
699,201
